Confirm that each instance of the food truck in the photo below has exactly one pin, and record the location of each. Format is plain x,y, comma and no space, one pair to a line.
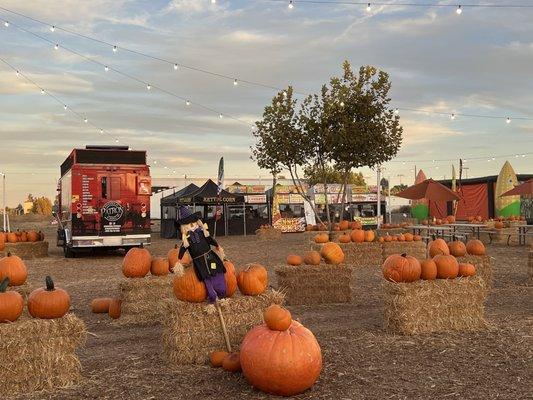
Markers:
103,199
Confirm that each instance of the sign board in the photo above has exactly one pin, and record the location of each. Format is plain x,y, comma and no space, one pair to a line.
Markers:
332,188
368,220
256,199
287,225
356,198
333,198
290,188
296,199
256,189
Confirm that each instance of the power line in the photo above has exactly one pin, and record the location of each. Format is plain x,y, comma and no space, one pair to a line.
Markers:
405,4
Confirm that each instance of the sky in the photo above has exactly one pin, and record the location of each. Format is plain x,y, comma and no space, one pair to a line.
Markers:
479,62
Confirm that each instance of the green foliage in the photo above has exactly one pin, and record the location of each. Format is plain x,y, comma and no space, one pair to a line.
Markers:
315,175
42,206
397,189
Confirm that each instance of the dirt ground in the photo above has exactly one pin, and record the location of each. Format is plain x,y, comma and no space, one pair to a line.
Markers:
361,361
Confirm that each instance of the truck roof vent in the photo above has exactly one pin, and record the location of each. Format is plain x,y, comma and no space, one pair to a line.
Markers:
105,147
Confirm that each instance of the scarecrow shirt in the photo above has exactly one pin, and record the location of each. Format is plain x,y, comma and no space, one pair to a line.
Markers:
206,262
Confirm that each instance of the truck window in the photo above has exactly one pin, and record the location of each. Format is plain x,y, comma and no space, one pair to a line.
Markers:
104,187
114,188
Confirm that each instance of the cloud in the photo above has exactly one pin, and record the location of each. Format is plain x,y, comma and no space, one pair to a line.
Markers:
10,83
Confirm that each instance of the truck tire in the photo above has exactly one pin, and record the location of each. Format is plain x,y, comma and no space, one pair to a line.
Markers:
68,252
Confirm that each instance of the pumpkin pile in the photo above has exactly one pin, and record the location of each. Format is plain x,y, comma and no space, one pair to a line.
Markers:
402,237
281,356
331,253
20,236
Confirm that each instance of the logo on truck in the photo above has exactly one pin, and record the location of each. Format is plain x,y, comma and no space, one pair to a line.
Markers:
112,211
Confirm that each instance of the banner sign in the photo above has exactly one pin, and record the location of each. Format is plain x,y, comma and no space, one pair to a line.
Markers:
368,220
287,225
332,188
283,198
291,188
220,174
364,197
243,189
333,198
296,199
256,199
236,189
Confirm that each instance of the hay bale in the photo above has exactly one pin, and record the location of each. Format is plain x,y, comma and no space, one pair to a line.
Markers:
268,233
315,284
26,250
23,290
530,266
190,334
366,254
141,298
39,354
483,267
415,249
440,305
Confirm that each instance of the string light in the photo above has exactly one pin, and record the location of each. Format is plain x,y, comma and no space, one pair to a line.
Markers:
508,120
116,140
52,28
6,24
213,1
291,5
459,10
175,67
101,131
187,102
106,68
285,94
85,120
220,116
452,117
65,106
148,86
396,111
115,49
17,73
42,91
235,83
56,47
368,8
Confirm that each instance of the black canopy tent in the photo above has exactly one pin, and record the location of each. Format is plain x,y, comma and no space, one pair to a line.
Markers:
169,207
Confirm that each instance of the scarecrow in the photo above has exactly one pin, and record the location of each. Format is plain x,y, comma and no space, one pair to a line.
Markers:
207,263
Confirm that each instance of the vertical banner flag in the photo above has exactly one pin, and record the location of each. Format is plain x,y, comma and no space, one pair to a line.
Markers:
454,189
220,174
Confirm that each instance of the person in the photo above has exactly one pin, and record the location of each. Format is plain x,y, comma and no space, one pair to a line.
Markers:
207,264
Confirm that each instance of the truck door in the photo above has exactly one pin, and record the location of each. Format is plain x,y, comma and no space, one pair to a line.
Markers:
112,210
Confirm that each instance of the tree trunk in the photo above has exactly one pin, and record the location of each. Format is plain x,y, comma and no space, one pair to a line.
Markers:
343,202
274,183
296,181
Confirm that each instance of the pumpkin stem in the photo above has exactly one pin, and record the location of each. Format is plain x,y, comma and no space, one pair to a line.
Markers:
404,255
176,246
4,284
9,254
141,246
49,284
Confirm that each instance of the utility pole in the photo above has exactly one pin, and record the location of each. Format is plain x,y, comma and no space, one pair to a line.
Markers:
400,176
466,171
378,170
4,200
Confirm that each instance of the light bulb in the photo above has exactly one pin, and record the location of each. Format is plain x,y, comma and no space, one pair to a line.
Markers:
6,24
155,162
523,155
56,47
220,115
396,111
115,49
148,87
235,83
52,28
291,6
175,67
17,73
101,131
188,103
85,120
452,116
106,68
516,155
459,10
508,120
342,104
368,7
42,91
213,1
65,106
116,140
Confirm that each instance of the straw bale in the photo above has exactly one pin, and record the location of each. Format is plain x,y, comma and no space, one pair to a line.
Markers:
26,250
483,267
415,249
190,333
366,254
315,284
391,231
440,305
40,354
24,290
268,233
530,266
141,298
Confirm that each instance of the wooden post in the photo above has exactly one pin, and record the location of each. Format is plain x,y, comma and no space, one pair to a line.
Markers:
223,325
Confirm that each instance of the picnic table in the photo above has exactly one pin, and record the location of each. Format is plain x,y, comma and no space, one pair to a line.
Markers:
522,233
476,228
433,230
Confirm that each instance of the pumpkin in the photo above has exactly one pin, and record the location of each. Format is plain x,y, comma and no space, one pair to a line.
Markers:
216,358
14,268
321,238
450,219
417,238
394,238
173,256
277,318
369,236
231,279
309,228
49,302
322,227
498,225
252,280
336,228
232,362
344,225
428,269
11,303
41,236
381,239
12,237
388,238
401,238
23,237
136,263
475,247
401,268
457,248
159,266
115,308
100,305
293,259
467,269
409,237
33,236
345,238
187,286
282,363
438,246
447,266
312,258
332,253
358,236
356,225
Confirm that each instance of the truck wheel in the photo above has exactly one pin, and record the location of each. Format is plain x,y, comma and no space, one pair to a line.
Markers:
68,252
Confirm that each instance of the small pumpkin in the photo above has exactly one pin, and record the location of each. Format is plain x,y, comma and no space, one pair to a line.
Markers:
23,237
12,237
159,266
356,225
457,248
100,305
345,238
252,280
388,238
312,258
381,239
417,238
428,269
187,286
295,260
115,308
33,236
173,256
321,238
277,318
2,242
232,362
358,236
438,246
344,225
498,225
49,302
409,237
231,278
401,238
394,238
332,253
11,303
467,269
369,236
14,268
450,219
447,266
475,247
401,268
136,263
216,358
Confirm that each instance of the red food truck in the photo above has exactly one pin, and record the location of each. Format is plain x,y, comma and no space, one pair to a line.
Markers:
104,199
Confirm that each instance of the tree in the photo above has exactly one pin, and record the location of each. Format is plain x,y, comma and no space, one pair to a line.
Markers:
397,189
42,206
314,176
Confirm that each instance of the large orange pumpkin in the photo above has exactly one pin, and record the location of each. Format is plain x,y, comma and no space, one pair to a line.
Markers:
231,278
321,238
159,266
429,269
14,268
369,236
475,247
332,253
467,269
447,266
252,280
11,303
136,263
457,248
187,286
49,302
358,236
293,259
344,238
312,257
344,225
277,318
401,268
438,246
282,363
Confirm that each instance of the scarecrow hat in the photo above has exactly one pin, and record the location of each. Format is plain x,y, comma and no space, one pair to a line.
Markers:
186,216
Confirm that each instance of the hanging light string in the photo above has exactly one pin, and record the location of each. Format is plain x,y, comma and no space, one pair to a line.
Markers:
465,159
293,3
58,100
236,81
147,85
